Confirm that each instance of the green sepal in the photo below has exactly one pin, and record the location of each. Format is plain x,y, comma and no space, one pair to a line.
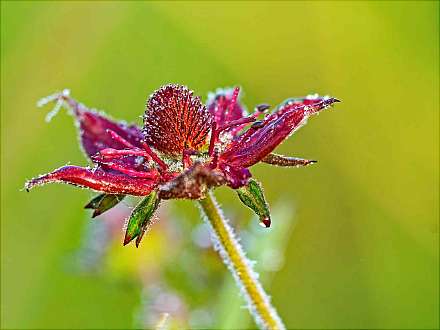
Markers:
103,202
141,218
252,196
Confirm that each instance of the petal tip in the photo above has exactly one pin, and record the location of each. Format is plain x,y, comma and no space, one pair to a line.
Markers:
30,184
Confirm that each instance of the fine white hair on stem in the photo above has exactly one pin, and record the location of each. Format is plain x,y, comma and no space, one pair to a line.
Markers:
233,256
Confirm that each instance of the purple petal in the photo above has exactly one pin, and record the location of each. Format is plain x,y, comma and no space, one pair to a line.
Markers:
98,179
94,132
94,126
219,105
236,177
256,143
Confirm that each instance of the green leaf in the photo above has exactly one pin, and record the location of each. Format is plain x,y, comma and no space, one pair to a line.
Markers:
141,218
252,196
103,202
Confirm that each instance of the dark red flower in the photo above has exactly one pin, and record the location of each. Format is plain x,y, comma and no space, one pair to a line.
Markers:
184,148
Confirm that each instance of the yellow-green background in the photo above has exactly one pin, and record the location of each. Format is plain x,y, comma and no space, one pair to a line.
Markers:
364,253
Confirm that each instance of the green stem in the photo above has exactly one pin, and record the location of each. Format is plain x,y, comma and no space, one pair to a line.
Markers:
233,256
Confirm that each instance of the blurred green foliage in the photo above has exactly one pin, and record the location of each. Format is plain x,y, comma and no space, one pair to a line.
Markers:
364,252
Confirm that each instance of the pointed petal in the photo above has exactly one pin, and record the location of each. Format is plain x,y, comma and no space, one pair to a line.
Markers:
252,196
141,218
93,126
97,179
103,203
259,141
94,133
219,105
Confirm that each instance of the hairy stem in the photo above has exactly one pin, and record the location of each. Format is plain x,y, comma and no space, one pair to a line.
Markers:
233,256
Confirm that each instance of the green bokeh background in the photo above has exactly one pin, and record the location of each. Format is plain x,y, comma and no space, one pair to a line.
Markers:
364,252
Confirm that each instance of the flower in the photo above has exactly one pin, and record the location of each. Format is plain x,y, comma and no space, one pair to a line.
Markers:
184,149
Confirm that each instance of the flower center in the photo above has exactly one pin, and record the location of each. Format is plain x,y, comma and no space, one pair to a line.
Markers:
176,122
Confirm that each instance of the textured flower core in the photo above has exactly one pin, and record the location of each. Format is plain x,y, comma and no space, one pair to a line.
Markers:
176,121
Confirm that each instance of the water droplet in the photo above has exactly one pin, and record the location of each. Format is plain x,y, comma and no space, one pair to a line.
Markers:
265,222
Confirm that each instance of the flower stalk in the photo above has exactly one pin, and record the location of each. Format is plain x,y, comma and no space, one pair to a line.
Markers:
234,258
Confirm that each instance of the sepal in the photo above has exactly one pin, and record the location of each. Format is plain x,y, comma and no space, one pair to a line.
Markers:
285,161
252,196
103,203
141,218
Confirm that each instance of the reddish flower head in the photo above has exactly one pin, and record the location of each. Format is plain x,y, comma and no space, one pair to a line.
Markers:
175,121
184,149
